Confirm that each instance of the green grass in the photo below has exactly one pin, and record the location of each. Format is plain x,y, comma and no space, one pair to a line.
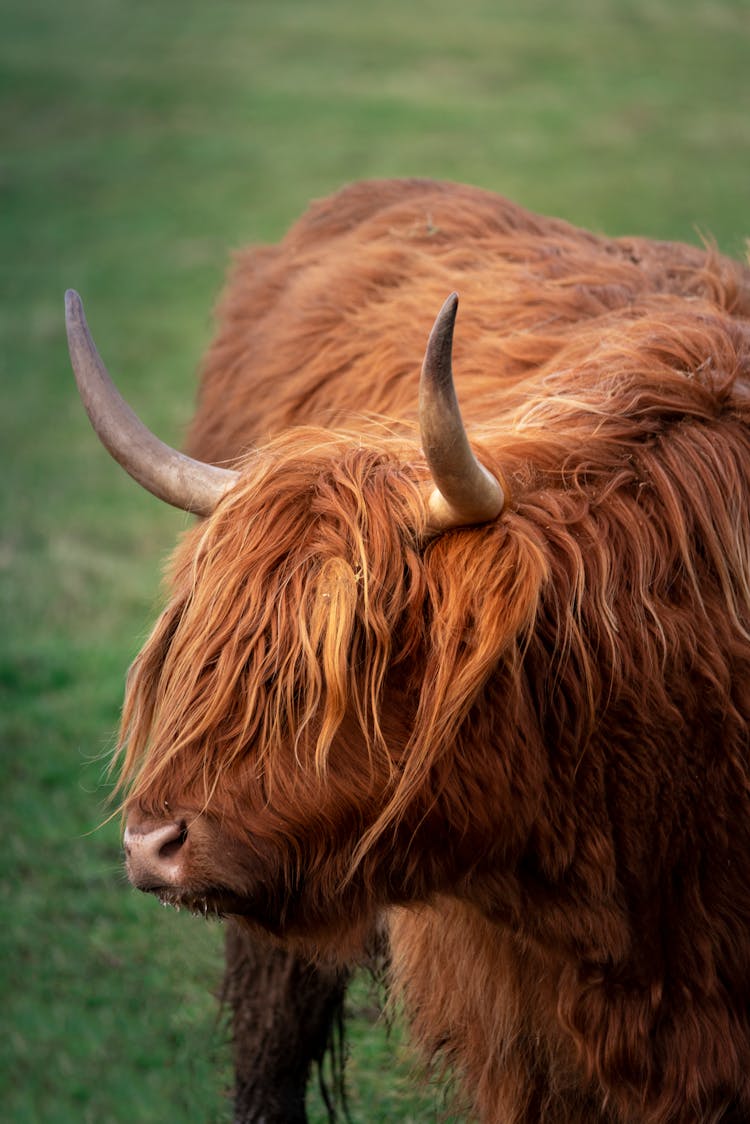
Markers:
141,142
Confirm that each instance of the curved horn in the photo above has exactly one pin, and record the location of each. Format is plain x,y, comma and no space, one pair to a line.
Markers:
465,492
167,474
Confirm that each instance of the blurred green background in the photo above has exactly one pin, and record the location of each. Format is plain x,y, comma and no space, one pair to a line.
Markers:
140,142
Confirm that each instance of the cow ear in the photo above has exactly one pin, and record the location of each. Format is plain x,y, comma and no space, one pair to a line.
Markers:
483,591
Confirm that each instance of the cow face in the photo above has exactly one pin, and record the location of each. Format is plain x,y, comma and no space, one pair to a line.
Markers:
267,714
269,727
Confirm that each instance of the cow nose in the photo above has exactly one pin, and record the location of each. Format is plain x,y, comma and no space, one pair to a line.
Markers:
154,855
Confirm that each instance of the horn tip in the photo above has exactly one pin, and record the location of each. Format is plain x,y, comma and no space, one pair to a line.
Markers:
450,305
73,304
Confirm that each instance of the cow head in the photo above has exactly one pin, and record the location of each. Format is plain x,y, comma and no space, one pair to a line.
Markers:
279,720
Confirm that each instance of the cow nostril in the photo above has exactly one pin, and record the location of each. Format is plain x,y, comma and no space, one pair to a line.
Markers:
169,849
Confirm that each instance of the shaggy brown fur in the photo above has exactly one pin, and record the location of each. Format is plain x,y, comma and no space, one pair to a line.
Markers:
528,738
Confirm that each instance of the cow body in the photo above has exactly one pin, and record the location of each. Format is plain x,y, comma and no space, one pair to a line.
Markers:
527,740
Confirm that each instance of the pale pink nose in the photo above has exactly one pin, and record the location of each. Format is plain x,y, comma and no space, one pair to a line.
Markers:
154,857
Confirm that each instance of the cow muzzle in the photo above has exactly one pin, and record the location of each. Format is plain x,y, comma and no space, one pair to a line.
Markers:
172,859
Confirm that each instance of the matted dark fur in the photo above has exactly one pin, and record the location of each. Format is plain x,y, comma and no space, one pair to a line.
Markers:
287,1016
527,740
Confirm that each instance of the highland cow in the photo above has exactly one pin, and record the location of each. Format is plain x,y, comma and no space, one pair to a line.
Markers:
498,692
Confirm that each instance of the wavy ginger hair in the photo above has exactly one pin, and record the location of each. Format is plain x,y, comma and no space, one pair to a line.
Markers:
534,733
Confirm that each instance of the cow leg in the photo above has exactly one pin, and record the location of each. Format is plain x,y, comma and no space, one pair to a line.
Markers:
286,1013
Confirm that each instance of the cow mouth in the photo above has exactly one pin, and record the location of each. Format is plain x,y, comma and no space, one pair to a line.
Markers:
204,903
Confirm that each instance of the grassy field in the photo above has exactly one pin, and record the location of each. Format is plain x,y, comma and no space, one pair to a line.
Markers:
141,142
